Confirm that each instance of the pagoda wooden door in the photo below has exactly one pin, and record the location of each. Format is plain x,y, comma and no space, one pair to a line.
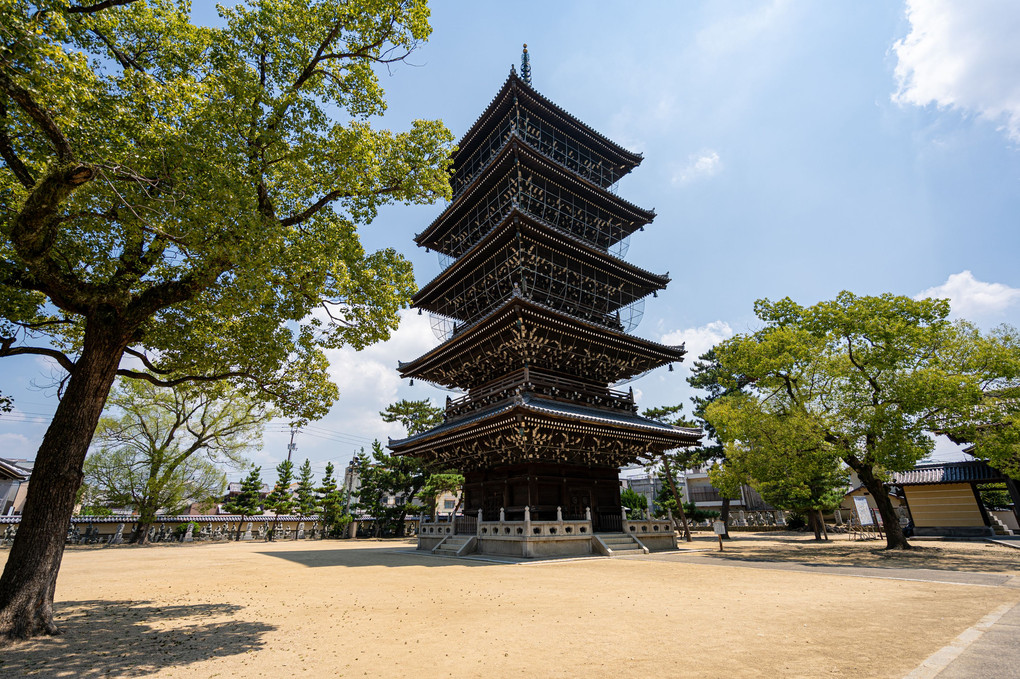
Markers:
578,499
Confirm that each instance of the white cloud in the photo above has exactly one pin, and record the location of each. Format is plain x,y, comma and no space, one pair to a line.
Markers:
17,446
971,298
368,382
699,340
963,55
700,165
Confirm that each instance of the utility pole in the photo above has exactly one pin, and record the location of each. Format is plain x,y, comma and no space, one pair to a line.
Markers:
291,447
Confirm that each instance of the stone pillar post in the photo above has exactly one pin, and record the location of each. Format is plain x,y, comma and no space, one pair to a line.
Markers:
478,526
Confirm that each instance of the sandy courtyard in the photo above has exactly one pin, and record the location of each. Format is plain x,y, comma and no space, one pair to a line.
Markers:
353,609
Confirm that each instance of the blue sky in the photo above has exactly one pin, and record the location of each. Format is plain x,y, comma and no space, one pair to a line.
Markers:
791,149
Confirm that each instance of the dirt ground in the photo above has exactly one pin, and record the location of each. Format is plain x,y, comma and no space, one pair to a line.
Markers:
369,608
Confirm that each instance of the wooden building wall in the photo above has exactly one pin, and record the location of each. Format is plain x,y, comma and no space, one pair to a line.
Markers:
943,505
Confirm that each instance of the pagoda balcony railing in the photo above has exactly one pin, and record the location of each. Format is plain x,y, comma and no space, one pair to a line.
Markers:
556,147
552,387
560,526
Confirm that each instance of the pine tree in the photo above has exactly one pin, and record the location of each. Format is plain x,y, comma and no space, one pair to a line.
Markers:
306,490
249,502
333,503
281,500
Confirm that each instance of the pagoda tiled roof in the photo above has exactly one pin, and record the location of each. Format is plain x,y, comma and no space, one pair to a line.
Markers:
517,218
665,353
514,150
527,403
971,471
515,85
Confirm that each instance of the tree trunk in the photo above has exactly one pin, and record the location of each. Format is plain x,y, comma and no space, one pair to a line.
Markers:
894,537
821,522
813,524
677,498
724,516
141,535
30,576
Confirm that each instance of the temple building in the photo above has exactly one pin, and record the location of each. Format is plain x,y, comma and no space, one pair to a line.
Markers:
534,307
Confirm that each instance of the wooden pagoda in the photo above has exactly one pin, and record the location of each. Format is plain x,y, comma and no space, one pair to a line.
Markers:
534,306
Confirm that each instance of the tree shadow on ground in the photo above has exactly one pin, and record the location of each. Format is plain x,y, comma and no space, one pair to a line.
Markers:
391,558
131,639
992,559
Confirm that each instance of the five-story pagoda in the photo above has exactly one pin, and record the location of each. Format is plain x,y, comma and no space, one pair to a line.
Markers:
535,307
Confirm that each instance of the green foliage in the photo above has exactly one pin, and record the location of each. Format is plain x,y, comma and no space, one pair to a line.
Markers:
995,496
861,379
306,503
383,475
249,501
993,424
416,416
333,502
696,514
195,192
162,449
665,499
633,500
281,500
782,453
438,484
6,404
182,529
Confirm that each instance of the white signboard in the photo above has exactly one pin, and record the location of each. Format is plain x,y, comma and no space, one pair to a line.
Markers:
863,511
719,527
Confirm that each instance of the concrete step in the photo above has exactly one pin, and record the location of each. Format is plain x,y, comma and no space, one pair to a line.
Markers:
452,545
622,540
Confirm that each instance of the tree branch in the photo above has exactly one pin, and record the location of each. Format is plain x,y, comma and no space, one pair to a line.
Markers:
98,7
124,60
152,379
7,152
39,116
326,200
60,357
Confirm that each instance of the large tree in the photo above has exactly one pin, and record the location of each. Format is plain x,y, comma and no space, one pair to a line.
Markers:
872,377
190,196
782,453
162,448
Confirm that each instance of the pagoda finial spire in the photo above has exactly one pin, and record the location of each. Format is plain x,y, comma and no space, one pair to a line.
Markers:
525,65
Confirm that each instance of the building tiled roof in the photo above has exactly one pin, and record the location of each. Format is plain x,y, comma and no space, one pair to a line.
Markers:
975,471
9,470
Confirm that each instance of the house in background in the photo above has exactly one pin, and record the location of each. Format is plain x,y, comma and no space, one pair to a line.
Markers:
698,489
14,475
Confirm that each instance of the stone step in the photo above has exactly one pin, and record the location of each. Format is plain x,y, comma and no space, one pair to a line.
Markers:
619,541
